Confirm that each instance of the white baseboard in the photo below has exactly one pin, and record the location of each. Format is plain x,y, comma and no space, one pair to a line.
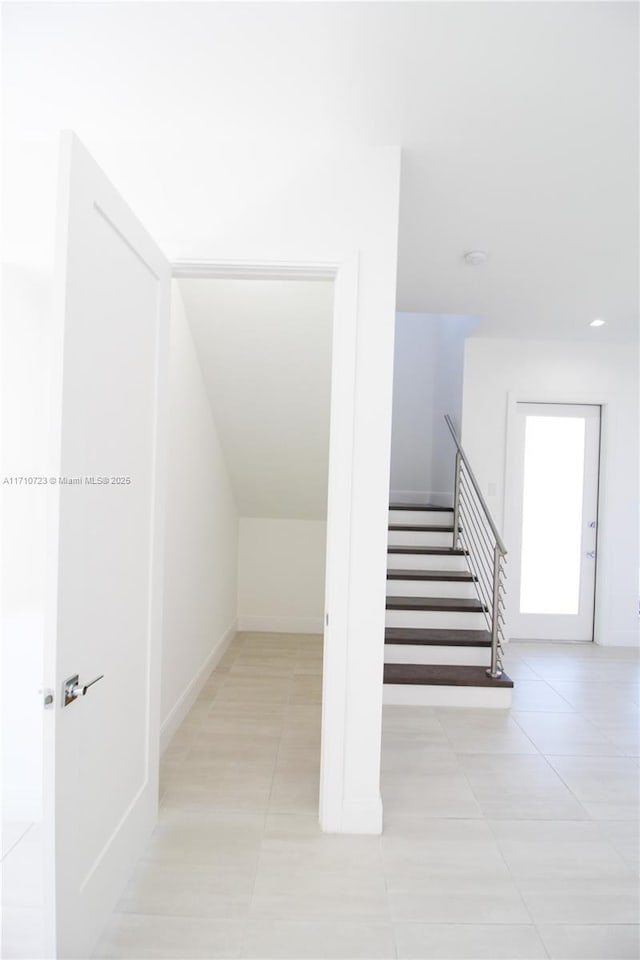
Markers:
190,694
259,624
409,497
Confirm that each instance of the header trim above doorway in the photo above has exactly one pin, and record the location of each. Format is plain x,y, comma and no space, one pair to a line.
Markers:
252,270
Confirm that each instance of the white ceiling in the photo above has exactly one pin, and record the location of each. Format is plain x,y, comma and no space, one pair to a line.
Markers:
265,352
518,123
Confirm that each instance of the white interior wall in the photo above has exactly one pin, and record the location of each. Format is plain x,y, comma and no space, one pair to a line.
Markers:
265,351
201,546
605,373
281,575
427,383
413,398
447,398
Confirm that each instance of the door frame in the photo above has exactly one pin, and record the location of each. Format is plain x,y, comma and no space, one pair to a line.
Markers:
511,472
337,663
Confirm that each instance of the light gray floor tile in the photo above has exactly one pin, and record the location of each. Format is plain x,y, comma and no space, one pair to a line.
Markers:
195,890
429,795
427,849
263,666
286,940
570,900
314,889
557,849
129,936
516,667
605,700
306,689
520,787
484,731
255,690
586,670
228,797
294,791
607,787
215,840
624,735
545,649
399,757
568,734
239,866
419,722
591,941
468,941
624,835
245,711
460,900
538,695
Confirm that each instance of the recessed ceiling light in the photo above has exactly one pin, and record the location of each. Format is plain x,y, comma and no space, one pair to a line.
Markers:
597,322
476,257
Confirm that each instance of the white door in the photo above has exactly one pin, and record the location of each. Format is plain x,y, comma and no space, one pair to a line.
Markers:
555,488
105,553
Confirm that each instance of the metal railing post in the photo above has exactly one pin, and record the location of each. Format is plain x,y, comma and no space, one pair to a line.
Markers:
494,670
456,499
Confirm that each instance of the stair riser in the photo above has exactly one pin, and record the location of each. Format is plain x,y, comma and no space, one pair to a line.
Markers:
437,620
412,561
425,695
430,588
435,518
419,538
414,653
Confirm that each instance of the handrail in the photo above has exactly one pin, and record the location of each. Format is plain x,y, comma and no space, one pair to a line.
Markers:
474,534
476,487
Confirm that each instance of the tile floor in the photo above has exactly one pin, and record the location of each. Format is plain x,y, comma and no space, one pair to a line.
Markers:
508,834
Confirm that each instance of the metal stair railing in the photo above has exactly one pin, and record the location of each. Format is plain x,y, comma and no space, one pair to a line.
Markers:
476,533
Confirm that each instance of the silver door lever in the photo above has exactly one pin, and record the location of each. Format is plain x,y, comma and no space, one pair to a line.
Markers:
72,688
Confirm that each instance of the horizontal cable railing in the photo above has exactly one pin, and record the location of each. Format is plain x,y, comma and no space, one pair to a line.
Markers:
476,533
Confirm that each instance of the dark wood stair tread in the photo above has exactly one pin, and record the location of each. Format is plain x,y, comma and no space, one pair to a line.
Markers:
427,551
443,674
418,636
459,576
421,527
423,507
457,604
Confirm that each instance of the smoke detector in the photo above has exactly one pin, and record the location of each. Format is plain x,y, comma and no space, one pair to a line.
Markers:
476,257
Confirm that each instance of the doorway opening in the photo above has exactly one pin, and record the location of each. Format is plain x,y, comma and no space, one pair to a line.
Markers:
261,351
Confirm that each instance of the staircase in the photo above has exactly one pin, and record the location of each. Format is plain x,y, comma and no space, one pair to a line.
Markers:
444,600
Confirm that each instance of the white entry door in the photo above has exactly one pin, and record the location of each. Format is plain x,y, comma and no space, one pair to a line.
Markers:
554,521
101,747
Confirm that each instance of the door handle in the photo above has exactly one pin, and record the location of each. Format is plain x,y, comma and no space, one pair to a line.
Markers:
591,554
72,688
